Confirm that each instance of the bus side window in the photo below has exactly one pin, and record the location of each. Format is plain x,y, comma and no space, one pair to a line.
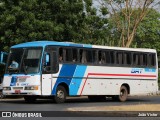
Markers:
69,55
112,57
50,64
102,57
107,57
136,59
60,55
89,56
119,58
83,57
127,58
143,59
152,60
75,55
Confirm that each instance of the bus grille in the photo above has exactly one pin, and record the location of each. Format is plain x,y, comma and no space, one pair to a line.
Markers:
17,88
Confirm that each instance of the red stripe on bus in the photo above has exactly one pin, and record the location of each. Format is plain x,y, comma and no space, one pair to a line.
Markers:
101,74
129,75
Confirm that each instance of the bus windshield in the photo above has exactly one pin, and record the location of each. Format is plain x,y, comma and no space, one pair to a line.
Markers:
24,60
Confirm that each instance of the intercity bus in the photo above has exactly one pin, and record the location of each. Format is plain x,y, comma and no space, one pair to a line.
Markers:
60,69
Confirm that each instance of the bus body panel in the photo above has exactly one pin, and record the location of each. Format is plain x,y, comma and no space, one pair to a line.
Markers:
91,80
84,78
48,82
21,82
108,80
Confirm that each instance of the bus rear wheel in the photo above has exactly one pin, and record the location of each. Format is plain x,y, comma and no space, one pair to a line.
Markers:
123,94
61,94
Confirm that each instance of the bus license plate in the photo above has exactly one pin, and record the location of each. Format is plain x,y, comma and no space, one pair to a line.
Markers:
17,91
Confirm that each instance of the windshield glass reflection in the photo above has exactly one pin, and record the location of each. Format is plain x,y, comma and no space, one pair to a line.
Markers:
24,60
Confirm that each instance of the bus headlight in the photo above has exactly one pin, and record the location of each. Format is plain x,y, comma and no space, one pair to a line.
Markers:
31,88
6,88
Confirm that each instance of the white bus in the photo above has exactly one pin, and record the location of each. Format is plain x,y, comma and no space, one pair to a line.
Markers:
60,69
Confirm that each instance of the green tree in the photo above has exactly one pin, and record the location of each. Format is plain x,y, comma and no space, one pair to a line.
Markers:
59,20
125,19
148,32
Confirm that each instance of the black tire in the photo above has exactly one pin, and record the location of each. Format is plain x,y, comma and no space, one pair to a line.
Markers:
30,99
1,95
61,94
123,94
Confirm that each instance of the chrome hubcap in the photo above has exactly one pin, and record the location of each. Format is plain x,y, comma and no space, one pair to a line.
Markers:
60,94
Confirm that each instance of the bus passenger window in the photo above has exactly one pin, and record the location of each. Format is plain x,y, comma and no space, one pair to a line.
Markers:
75,58
136,59
89,56
83,57
60,55
127,59
119,58
143,59
152,59
60,58
102,57
112,57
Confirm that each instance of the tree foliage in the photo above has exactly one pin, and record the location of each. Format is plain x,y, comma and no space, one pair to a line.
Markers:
148,32
59,20
126,15
73,20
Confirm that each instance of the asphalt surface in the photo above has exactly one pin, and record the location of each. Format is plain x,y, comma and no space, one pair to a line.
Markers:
9,104
59,110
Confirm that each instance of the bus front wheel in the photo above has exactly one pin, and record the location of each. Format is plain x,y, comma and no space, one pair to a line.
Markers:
1,95
123,94
61,94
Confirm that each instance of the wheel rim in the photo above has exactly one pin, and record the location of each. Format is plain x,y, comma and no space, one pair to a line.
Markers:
123,93
60,94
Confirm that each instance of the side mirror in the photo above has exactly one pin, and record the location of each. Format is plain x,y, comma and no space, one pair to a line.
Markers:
47,59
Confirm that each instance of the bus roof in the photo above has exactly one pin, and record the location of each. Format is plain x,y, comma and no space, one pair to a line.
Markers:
46,43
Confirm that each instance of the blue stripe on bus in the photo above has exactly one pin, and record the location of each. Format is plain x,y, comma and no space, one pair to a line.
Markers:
76,82
65,76
87,45
150,70
13,81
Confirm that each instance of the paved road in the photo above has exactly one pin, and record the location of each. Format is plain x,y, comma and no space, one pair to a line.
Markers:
10,104
20,105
